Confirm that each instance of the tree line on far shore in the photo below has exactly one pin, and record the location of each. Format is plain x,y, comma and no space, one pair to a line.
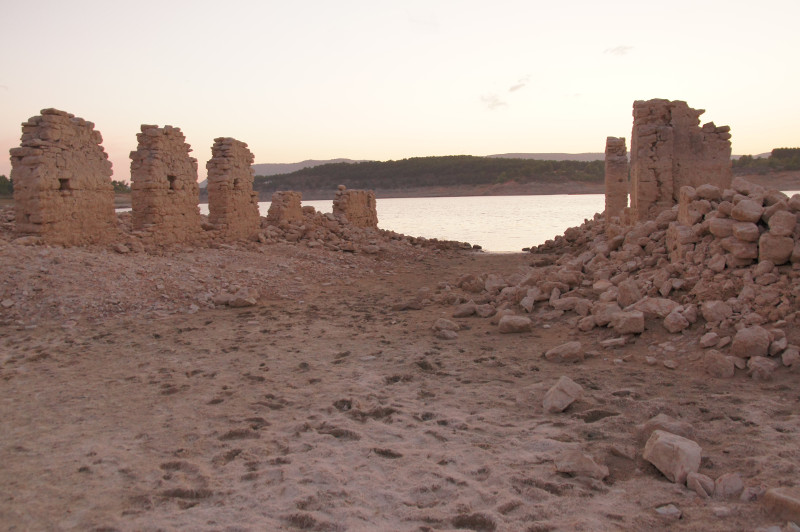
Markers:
779,160
418,172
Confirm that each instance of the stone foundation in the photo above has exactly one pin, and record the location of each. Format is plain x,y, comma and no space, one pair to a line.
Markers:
616,177
164,190
358,207
232,204
62,181
670,150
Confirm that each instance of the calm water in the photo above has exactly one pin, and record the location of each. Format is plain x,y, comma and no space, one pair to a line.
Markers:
497,223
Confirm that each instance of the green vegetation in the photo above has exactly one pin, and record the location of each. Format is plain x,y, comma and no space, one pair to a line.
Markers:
120,187
431,172
6,186
781,159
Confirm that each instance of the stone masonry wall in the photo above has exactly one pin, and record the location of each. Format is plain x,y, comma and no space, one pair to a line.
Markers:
616,177
164,190
232,204
670,150
62,181
285,207
358,207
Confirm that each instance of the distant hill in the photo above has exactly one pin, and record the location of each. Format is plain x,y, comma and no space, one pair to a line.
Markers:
288,168
586,157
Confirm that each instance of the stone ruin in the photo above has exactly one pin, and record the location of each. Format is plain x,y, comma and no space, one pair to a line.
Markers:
232,204
616,178
62,181
358,207
670,150
164,189
285,207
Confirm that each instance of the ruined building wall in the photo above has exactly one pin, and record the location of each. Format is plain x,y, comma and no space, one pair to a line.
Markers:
616,177
164,190
62,181
285,207
358,207
670,150
232,204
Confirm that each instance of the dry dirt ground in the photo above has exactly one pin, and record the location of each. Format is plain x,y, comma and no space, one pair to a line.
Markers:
126,403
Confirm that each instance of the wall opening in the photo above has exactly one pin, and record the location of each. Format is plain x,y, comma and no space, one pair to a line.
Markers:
63,184
171,179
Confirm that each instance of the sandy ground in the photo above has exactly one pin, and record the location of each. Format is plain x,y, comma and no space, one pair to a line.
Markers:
126,406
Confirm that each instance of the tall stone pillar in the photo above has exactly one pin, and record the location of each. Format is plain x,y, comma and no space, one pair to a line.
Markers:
616,177
232,204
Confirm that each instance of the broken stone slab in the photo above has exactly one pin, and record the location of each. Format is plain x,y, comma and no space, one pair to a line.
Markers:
783,503
628,322
561,395
751,342
673,455
574,462
464,310
567,352
514,324
700,484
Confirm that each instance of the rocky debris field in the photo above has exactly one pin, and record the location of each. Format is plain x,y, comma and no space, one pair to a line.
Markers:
609,380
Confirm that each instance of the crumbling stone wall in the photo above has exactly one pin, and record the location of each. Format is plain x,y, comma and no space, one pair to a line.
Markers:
285,207
62,181
616,177
670,150
358,207
232,204
164,190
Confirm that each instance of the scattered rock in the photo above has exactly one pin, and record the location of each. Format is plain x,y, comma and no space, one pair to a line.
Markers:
673,455
783,503
514,324
751,342
718,365
568,352
728,486
700,484
628,322
564,393
574,462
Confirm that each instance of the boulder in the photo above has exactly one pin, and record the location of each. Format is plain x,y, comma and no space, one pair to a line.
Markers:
782,223
728,486
714,310
739,248
746,231
783,503
718,365
655,307
761,368
751,342
514,324
777,249
443,324
464,310
628,322
561,395
568,352
747,210
673,455
721,227
628,293
603,312
675,322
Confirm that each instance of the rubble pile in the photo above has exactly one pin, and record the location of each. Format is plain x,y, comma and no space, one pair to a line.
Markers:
684,272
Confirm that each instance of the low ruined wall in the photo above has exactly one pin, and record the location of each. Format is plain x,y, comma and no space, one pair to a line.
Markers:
62,181
164,190
670,150
616,177
358,207
285,207
232,204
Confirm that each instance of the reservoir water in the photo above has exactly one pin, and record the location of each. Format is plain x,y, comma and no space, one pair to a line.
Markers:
497,223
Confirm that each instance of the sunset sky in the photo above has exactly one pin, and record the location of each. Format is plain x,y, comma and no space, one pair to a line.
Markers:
374,79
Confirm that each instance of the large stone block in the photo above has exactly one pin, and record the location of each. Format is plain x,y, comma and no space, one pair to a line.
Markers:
673,455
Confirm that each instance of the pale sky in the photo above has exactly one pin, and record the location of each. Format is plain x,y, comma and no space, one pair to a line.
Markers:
374,79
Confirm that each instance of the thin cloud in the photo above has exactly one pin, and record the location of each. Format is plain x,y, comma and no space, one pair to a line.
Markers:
622,49
4,87
520,84
493,101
